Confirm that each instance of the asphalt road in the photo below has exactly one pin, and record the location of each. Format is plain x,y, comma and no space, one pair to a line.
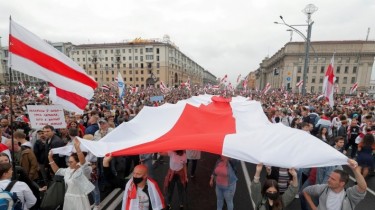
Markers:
200,196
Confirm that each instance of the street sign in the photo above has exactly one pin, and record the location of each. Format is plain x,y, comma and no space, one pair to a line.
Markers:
288,79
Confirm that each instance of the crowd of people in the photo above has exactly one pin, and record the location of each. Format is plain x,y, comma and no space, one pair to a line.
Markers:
348,127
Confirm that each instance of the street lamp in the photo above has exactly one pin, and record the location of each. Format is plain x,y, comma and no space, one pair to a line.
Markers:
309,10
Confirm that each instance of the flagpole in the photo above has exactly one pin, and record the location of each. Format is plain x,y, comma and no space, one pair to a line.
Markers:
11,100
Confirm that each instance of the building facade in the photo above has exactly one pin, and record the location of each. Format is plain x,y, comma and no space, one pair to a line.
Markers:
141,63
209,78
353,62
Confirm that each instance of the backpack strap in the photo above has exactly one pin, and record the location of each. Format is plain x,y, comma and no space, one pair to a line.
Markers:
10,185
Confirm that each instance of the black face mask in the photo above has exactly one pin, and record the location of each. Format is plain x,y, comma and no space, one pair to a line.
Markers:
137,180
272,196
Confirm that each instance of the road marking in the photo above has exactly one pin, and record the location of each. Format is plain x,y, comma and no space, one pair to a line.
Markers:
116,202
368,189
248,181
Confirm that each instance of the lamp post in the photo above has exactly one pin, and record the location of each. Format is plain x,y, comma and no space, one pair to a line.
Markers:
308,10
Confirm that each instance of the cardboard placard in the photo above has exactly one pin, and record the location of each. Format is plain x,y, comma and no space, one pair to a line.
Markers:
42,115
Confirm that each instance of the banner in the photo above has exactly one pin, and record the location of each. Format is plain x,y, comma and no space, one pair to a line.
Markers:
46,115
156,98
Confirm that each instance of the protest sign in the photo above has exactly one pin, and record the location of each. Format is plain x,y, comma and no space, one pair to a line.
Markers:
46,115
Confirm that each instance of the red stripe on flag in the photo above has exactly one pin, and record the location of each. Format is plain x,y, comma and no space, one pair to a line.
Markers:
198,128
73,98
21,49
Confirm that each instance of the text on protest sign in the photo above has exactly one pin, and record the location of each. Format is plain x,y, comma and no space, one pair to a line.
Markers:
46,115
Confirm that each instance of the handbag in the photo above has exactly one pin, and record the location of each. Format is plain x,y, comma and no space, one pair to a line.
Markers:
54,197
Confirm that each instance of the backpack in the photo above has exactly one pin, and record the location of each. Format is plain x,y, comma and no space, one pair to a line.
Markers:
9,200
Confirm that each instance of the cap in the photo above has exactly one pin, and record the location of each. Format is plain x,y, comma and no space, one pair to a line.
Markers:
19,119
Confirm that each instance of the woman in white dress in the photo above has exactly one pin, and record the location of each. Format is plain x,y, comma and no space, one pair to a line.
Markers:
76,181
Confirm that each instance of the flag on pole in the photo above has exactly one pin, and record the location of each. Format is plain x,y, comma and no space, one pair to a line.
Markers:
163,87
266,89
105,87
22,85
238,78
354,88
224,79
329,81
120,85
70,86
244,83
299,84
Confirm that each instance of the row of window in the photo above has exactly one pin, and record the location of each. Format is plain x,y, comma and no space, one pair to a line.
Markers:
130,66
337,59
322,69
313,79
118,51
142,79
123,72
118,59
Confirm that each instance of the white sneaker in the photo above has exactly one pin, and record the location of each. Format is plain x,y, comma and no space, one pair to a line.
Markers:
96,208
297,196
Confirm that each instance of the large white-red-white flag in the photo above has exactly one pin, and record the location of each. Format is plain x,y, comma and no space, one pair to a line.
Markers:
354,88
299,84
224,79
70,86
221,126
329,81
163,87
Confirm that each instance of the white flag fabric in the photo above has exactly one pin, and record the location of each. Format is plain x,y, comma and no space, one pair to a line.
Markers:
236,128
120,85
70,86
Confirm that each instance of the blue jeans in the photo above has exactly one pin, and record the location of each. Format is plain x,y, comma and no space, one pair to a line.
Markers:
226,193
96,193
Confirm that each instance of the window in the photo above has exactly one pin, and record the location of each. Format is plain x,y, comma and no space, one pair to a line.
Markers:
338,70
354,70
90,72
322,69
113,79
124,65
337,79
95,72
298,79
321,79
307,70
136,65
157,50
141,65
130,50
124,58
141,51
158,65
96,79
343,90
346,69
84,66
77,52
113,72
111,58
315,59
299,70
111,51
124,79
77,59
100,52
345,80
105,51
88,52
157,58
136,79
320,89
130,72
136,71
124,72
83,59
313,79
353,80
314,69
339,59
141,58
142,79
123,50
135,50
149,50
106,59
149,57
136,58
131,79
142,71
157,72
130,66
300,59
347,60
130,58
112,65
313,89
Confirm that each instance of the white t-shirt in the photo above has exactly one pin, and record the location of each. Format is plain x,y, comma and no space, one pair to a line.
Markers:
23,192
143,199
176,162
334,200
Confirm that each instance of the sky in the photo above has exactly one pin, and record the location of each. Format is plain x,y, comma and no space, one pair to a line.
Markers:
224,37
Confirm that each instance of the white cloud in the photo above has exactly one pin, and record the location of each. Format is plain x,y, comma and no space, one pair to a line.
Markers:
225,37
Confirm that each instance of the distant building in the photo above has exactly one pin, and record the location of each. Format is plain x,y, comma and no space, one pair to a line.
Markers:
353,63
141,62
209,78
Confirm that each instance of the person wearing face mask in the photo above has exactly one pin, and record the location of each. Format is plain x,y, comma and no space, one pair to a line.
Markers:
141,192
269,197
76,181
